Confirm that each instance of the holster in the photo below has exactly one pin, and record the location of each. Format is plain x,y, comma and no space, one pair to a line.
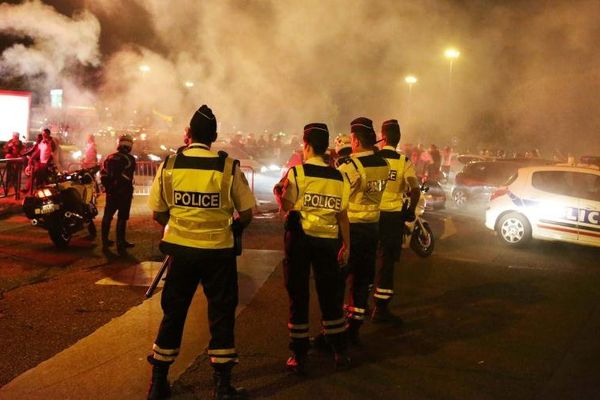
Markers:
292,222
236,228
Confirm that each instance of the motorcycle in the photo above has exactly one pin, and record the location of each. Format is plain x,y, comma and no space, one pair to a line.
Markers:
418,234
66,205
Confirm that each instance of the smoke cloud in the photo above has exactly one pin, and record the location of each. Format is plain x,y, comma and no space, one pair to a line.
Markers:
526,78
59,44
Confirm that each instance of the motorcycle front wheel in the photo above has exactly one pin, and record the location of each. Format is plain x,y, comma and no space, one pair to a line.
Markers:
421,240
59,235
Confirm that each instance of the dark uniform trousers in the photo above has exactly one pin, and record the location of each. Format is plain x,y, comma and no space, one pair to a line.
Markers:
360,271
301,251
218,275
391,231
119,201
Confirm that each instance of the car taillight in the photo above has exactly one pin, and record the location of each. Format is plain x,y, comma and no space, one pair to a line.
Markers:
498,192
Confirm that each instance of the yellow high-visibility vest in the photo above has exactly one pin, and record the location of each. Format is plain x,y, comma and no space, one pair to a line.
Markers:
197,191
322,193
393,196
364,203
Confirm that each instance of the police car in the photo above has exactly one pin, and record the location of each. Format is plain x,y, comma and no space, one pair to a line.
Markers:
557,202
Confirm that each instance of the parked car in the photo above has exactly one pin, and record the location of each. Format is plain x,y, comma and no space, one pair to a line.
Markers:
548,202
458,162
479,179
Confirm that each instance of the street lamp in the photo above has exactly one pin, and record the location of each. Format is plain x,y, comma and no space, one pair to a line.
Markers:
410,80
451,54
188,84
144,68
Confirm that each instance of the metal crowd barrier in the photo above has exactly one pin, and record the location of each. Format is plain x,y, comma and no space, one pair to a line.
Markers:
144,175
11,171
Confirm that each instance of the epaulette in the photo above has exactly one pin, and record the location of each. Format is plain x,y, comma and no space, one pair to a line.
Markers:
222,153
346,160
406,158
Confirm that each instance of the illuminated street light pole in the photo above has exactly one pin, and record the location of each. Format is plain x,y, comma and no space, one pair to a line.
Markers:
410,80
144,69
451,54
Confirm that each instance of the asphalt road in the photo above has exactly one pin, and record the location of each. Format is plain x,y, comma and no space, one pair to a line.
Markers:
480,320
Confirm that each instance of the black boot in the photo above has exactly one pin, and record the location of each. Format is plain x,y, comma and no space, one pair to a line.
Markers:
296,364
223,389
106,242
159,385
122,244
382,314
339,344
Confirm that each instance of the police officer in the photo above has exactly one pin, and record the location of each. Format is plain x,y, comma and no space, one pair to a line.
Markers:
343,149
368,173
194,196
393,214
116,176
316,197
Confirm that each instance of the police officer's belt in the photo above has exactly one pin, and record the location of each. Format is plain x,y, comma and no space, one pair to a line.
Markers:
208,236
195,225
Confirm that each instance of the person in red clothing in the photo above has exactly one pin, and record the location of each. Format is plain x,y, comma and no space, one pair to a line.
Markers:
12,150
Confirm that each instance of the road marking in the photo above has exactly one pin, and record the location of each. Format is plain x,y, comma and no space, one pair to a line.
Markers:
141,274
111,362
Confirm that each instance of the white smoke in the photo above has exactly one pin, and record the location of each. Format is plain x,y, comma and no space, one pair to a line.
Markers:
527,75
59,43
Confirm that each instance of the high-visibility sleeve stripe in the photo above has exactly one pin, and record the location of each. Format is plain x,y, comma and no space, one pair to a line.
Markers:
228,356
218,360
335,322
382,296
379,290
333,331
357,317
355,309
160,357
299,335
297,326
216,352
165,352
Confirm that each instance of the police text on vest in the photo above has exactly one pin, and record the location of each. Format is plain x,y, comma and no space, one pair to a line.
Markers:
322,201
197,199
